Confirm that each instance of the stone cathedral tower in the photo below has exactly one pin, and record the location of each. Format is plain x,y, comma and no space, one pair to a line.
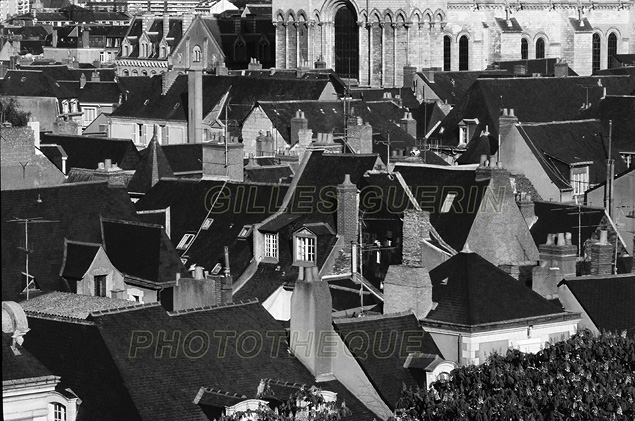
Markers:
372,41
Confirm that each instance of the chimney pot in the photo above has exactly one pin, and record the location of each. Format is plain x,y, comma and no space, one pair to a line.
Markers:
603,237
100,166
549,239
561,241
107,163
511,112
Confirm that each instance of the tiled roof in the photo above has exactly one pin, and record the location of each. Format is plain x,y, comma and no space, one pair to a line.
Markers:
621,110
185,157
431,186
267,174
558,145
526,96
451,86
69,305
87,152
62,72
466,286
142,251
22,366
33,83
77,259
607,300
75,208
152,167
380,345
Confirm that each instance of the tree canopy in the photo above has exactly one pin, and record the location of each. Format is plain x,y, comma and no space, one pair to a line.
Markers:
10,112
584,377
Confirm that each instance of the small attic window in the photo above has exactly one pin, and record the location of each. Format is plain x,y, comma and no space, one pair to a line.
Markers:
245,232
447,203
146,102
185,242
207,223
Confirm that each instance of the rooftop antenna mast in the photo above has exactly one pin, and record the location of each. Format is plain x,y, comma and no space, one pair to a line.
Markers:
35,220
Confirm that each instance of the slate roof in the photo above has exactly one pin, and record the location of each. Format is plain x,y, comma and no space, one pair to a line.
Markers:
190,201
142,251
608,300
77,259
185,157
106,92
473,284
559,145
267,174
33,83
62,72
527,96
69,305
87,152
620,109
431,185
77,207
479,145
544,66
20,367
380,345
155,32
151,168
451,86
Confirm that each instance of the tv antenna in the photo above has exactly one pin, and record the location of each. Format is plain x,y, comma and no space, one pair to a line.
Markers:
30,279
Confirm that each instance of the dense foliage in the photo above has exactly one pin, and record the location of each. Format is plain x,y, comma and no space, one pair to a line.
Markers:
585,377
10,112
307,404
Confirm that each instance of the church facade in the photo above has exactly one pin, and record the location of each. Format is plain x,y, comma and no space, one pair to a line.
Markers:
373,41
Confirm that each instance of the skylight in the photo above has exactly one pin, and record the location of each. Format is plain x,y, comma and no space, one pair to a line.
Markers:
447,203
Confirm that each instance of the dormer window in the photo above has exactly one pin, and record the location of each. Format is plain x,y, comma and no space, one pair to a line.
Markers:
74,108
197,55
304,244
164,51
271,245
65,109
126,50
467,127
579,179
144,49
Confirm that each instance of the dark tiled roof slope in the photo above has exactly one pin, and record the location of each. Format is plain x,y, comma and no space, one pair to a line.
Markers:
451,86
381,347
478,292
621,110
607,300
23,366
79,257
76,208
33,83
151,168
544,66
184,157
87,152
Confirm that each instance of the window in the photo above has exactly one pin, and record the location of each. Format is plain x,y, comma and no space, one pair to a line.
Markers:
263,51
462,135
65,107
271,245
163,51
135,72
305,249
524,49
100,285
90,113
447,51
144,73
185,242
126,50
447,203
197,55
239,51
595,52
126,72
540,48
464,53
207,223
612,48
74,106
141,133
59,412
245,232
102,56
443,376
580,179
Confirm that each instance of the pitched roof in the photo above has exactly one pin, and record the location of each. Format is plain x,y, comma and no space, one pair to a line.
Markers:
621,110
33,83
141,251
466,285
151,168
543,66
77,259
451,86
75,210
87,152
608,300
184,157
559,145
21,366
380,345
267,174
69,305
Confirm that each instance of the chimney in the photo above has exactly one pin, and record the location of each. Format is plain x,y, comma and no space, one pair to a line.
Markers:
545,279
347,211
409,76
85,37
429,73
254,64
559,253
95,77
409,124
146,21
561,69
218,164
602,256
166,20
320,63
520,69
54,38
305,137
188,17
195,106
360,138
311,323
408,288
527,209
415,229
226,281
82,81
298,122
506,122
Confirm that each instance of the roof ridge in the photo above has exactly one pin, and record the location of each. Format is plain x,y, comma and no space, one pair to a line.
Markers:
284,383
137,223
374,317
82,243
211,307
57,186
51,316
124,309
546,123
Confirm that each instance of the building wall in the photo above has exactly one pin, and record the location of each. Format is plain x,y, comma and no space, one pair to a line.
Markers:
395,33
35,403
168,133
102,266
258,122
42,109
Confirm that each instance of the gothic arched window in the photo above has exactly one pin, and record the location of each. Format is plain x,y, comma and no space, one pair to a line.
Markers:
464,53
540,48
596,45
447,53
197,55
612,47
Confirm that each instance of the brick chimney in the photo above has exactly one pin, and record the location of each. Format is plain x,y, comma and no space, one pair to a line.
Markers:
214,160
360,137
195,106
146,21
406,288
415,229
347,210
254,64
559,253
188,17
95,76
298,122
602,256
409,124
311,323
